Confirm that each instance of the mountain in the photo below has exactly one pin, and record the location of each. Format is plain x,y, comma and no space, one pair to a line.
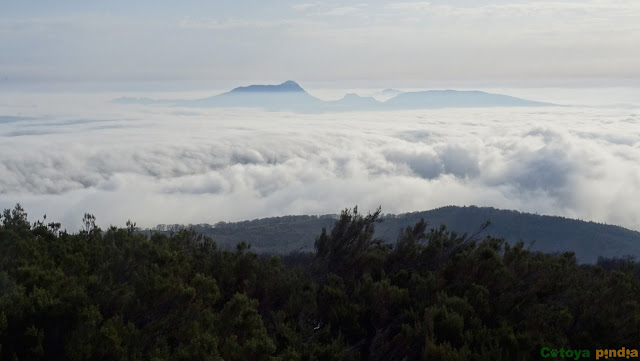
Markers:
390,92
354,102
457,99
117,294
286,96
286,87
291,96
588,240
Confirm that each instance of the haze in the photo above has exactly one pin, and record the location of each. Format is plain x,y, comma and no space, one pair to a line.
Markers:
66,149
213,44
192,165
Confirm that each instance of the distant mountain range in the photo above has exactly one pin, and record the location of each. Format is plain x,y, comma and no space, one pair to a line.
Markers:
291,96
588,240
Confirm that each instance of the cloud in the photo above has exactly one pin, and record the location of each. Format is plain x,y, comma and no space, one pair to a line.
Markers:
303,7
11,119
343,10
230,24
166,165
411,6
524,42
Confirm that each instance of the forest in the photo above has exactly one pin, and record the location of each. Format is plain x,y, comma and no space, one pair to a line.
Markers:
433,294
588,240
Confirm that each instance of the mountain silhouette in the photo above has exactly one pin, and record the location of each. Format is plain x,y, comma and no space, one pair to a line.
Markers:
287,86
286,96
291,96
456,99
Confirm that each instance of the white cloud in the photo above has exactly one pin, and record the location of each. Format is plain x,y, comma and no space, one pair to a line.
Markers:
303,7
342,10
161,165
227,24
504,42
412,6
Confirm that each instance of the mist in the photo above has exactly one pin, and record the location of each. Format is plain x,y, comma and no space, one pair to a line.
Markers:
64,155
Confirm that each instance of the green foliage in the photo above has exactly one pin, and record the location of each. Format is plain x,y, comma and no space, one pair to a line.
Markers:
118,294
241,331
282,235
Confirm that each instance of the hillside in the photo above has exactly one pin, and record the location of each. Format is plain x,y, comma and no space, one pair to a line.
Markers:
119,295
588,240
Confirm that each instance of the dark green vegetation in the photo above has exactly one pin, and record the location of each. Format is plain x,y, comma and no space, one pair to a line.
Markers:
588,240
120,295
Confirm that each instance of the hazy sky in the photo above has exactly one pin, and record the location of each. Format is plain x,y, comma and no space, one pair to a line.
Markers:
373,43
65,151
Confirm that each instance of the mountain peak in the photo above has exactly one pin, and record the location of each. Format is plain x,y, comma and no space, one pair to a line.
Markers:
287,86
291,96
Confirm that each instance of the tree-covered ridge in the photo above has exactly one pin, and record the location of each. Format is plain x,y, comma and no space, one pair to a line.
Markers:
117,294
588,240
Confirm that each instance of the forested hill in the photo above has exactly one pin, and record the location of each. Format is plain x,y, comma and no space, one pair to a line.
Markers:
435,295
588,240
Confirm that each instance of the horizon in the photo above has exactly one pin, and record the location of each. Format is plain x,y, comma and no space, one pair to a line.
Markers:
565,95
497,142
66,145
497,43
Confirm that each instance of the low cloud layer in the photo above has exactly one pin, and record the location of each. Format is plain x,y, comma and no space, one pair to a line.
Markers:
163,165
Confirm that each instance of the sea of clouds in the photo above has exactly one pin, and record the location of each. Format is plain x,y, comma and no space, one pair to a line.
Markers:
66,154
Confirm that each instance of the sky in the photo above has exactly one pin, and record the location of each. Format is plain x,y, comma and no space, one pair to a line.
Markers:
66,149
218,44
